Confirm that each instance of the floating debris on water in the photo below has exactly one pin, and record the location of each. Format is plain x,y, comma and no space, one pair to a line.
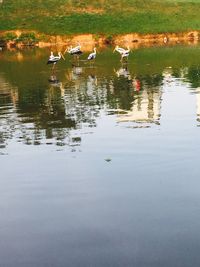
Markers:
108,159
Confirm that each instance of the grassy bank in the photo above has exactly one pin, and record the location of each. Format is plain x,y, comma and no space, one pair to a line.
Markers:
100,16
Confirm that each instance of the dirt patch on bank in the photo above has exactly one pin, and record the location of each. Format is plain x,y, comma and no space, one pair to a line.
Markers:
89,41
135,39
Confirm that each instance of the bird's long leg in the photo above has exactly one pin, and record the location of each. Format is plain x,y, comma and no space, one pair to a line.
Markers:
124,63
74,58
91,62
77,58
53,69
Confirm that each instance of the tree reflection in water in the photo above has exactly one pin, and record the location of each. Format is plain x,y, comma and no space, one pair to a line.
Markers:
193,77
36,108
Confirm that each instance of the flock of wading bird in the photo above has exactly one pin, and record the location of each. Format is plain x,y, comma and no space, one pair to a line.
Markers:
76,52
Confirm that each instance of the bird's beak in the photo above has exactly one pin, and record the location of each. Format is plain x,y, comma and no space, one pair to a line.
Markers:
114,50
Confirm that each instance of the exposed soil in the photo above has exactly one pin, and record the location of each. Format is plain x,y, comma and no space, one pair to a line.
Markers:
88,41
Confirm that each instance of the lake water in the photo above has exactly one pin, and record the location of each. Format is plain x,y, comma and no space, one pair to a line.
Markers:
100,162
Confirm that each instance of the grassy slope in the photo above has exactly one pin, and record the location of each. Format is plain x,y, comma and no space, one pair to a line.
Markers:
100,16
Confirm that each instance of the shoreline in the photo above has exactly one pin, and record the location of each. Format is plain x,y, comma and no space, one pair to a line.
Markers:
21,38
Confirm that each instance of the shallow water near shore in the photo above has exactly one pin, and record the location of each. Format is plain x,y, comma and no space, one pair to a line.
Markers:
100,161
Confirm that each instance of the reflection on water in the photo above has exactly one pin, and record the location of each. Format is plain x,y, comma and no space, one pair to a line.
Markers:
129,194
38,108
146,105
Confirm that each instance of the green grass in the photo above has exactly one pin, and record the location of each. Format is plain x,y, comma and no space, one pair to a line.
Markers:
100,16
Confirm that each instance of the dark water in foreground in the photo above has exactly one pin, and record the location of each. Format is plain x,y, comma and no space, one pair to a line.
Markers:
100,167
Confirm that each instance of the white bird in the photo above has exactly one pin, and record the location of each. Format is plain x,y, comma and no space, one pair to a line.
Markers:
92,56
74,50
123,52
51,56
54,59
119,49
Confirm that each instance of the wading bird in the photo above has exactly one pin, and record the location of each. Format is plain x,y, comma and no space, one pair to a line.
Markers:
54,59
123,52
74,51
92,56
119,49
51,56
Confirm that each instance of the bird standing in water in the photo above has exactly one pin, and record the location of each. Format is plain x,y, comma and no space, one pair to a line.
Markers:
119,49
123,52
54,59
92,56
74,51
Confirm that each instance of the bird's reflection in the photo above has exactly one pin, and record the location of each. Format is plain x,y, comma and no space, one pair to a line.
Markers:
53,79
55,83
92,79
76,72
123,71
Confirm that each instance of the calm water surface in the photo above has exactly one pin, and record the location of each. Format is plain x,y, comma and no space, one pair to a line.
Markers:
100,162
